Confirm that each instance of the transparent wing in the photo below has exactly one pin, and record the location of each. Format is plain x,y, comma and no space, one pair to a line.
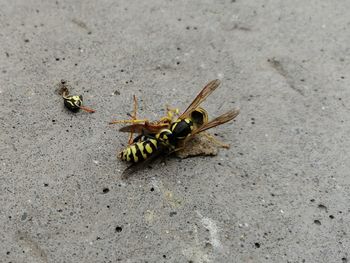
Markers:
206,91
144,128
228,116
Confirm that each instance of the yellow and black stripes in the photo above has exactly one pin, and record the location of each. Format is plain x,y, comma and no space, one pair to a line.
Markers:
73,103
165,136
181,128
168,138
139,151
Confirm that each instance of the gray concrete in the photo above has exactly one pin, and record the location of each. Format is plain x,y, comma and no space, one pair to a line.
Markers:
280,194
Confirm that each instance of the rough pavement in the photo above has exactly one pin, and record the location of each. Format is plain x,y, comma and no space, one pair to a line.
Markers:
279,194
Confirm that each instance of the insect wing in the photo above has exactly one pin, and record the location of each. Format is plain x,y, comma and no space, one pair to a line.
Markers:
144,128
138,128
206,91
228,116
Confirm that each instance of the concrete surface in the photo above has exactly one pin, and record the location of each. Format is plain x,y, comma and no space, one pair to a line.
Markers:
280,194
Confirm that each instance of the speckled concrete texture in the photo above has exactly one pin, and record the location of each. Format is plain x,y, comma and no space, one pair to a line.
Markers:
279,194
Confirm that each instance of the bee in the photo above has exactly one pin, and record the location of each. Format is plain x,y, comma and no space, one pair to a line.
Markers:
72,103
168,135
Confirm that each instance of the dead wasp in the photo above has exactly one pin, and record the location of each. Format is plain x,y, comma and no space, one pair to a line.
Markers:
168,135
72,103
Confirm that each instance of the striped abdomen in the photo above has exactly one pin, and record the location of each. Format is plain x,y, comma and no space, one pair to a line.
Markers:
139,151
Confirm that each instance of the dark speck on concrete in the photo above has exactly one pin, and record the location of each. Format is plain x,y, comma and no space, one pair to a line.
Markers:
322,207
173,213
24,216
317,222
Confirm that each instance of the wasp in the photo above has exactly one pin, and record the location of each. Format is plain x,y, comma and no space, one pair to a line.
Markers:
72,103
169,134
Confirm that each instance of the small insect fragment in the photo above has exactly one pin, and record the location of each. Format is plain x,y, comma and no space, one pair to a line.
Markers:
72,103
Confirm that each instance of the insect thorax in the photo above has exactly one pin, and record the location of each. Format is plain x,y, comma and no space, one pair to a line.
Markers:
181,128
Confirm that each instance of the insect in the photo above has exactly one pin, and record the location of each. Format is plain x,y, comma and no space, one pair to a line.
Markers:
144,125
72,103
168,135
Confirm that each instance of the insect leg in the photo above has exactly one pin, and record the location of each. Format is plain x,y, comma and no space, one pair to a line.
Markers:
133,117
133,120
128,121
87,109
172,112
